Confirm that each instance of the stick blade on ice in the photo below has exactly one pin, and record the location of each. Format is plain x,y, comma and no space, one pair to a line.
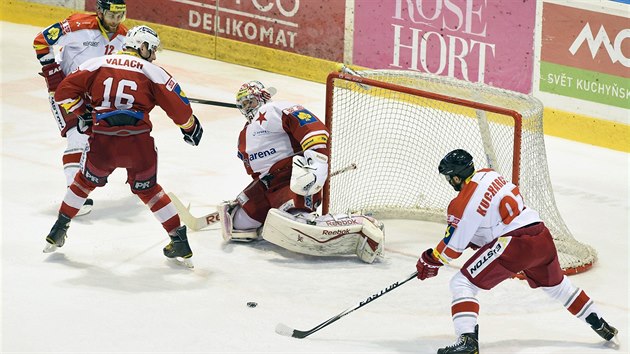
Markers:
284,330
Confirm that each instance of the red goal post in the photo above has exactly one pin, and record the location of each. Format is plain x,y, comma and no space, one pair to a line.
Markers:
395,126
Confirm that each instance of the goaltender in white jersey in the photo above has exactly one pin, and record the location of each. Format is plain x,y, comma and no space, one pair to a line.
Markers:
284,148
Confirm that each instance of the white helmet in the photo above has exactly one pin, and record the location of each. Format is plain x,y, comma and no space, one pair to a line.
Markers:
251,96
142,34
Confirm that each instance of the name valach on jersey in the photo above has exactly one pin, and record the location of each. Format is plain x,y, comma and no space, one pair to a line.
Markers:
131,63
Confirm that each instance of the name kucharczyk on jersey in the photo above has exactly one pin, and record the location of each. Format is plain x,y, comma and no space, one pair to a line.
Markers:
493,189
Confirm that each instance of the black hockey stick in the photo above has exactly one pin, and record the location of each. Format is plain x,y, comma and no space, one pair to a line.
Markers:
296,333
212,103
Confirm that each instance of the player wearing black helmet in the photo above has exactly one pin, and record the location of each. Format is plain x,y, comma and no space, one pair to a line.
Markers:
457,166
489,216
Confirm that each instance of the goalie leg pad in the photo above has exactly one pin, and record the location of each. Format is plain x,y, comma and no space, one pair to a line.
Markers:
372,239
227,210
325,236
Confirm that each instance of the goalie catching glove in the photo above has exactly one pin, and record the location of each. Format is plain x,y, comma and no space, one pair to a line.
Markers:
309,173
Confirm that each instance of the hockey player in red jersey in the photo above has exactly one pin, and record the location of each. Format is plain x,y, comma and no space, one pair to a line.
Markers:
123,89
489,215
283,146
80,37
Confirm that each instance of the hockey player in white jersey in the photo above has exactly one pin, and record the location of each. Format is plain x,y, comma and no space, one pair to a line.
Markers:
80,37
284,148
489,215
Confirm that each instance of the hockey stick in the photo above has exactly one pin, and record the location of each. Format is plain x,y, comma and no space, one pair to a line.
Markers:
285,330
352,166
271,90
189,220
212,103
198,223
346,70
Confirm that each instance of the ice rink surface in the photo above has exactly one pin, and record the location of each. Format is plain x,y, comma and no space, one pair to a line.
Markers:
110,289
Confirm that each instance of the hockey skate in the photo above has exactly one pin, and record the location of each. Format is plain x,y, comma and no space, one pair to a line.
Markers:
601,327
86,208
467,343
178,250
57,235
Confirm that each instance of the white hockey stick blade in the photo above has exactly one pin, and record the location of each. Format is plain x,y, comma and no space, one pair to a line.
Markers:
349,71
193,223
284,330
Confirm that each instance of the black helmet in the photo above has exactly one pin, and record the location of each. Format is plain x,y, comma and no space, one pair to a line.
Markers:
111,5
457,163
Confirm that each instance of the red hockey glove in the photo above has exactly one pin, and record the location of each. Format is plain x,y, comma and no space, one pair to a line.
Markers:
427,266
53,75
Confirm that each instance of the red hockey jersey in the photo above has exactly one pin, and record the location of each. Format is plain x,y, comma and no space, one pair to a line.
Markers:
126,82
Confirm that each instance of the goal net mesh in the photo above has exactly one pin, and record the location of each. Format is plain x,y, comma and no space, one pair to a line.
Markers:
395,127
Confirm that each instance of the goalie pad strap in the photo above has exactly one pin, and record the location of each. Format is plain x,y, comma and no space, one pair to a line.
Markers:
226,212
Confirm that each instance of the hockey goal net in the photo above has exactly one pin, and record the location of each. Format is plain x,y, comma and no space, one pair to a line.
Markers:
395,127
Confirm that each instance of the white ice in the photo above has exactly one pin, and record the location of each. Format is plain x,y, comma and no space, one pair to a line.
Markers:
110,290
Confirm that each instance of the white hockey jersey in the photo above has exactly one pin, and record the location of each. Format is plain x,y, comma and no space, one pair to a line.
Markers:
280,131
487,207
81,37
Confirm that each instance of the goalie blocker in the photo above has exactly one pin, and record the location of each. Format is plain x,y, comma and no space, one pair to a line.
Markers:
325,235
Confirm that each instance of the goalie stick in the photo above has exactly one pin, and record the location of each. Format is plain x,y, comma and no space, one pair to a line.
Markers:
272,91
346,70
189,220
212,103
198,223
285,330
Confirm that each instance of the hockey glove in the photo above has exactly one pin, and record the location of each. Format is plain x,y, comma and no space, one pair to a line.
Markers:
427,265
53,75
84,122
309,173
193,135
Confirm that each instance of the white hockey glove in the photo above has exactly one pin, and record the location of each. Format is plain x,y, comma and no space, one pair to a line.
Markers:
309,173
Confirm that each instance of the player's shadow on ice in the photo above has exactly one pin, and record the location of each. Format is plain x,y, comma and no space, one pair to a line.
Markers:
516,345
131,279
123,210
430,344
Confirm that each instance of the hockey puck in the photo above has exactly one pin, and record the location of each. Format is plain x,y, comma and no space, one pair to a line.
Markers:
252,304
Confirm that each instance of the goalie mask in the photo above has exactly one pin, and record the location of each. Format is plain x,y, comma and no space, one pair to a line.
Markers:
457,163
251,96
139,35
